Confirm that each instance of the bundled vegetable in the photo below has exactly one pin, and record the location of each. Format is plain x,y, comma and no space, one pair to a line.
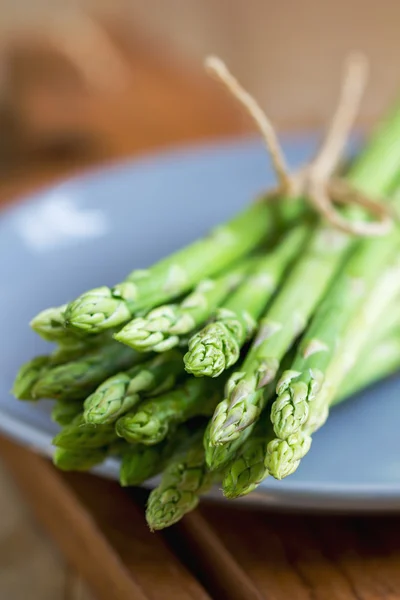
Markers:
219,362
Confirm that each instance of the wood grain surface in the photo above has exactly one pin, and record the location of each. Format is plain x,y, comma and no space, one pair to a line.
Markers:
216,552
96,531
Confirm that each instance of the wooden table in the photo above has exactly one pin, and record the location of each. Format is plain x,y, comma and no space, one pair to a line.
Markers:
96,528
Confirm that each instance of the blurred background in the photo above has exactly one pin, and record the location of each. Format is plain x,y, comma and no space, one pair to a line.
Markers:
79,77
88,81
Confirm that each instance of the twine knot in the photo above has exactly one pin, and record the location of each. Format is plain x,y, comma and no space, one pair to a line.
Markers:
316,181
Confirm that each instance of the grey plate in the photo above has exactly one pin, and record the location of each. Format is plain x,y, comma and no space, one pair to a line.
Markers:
91,230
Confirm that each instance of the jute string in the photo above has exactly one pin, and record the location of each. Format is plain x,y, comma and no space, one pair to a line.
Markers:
316,181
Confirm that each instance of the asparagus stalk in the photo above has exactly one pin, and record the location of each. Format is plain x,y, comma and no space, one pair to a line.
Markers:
35,369
50,325
103,308
378,363
65,411
120,393
389,327
373,172
261,456
354,338
71,350
183,481
217,346
379,357
219,455
78,460
140,462
247,470
162,327
152,421
78,435
283,456
299,387
84,459
27,377
77,379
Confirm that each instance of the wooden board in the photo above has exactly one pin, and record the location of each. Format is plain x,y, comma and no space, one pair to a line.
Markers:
217,552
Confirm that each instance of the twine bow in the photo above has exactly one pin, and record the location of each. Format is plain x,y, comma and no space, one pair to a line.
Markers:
316,181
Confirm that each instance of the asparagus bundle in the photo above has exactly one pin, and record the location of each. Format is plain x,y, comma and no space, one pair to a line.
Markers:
307,312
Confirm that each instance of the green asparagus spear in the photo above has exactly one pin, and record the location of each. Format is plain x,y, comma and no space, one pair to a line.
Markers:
65,411
284,456
27,377
72,350
78,460
217,456
378,363
151,422
389,327
118,394
163,326
183,481
50,325
289,313
247,470
78,435
217,346
299,387
103,308
140,462
354,337
79,378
